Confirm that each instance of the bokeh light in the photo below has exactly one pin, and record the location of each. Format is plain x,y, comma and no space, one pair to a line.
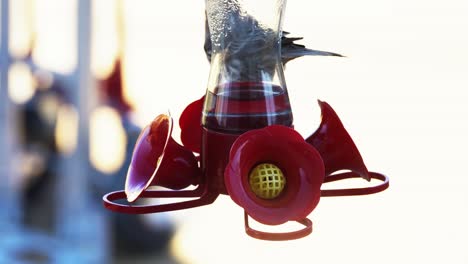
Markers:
107,140
21,85
55,42
21,27
104,37
66,129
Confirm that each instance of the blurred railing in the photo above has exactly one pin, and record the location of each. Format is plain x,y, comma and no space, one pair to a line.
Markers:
79,234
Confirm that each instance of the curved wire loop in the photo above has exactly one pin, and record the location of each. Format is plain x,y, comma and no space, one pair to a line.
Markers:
278,236
385,183
205,197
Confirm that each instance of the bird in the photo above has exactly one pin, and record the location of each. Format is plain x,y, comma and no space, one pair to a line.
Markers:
251,43
289,48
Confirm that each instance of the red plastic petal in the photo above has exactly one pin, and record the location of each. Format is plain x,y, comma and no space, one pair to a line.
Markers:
190,125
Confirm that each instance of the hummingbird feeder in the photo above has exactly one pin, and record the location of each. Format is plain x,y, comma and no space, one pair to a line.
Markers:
239,139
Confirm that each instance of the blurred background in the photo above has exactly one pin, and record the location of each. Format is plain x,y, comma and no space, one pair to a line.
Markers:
80,78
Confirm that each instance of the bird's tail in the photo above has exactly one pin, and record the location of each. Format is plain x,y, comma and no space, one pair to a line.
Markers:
291,50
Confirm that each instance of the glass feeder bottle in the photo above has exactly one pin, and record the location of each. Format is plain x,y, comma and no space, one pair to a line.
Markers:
246,86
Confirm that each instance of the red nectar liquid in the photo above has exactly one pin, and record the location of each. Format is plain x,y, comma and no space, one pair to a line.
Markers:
242,106
231,110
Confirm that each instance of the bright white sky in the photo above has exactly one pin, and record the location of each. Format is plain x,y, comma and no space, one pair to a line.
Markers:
400,93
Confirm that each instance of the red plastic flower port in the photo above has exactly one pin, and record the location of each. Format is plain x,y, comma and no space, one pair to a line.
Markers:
281,157
336,146
339,152
159,160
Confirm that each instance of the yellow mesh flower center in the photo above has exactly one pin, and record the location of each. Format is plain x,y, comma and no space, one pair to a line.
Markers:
267,181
